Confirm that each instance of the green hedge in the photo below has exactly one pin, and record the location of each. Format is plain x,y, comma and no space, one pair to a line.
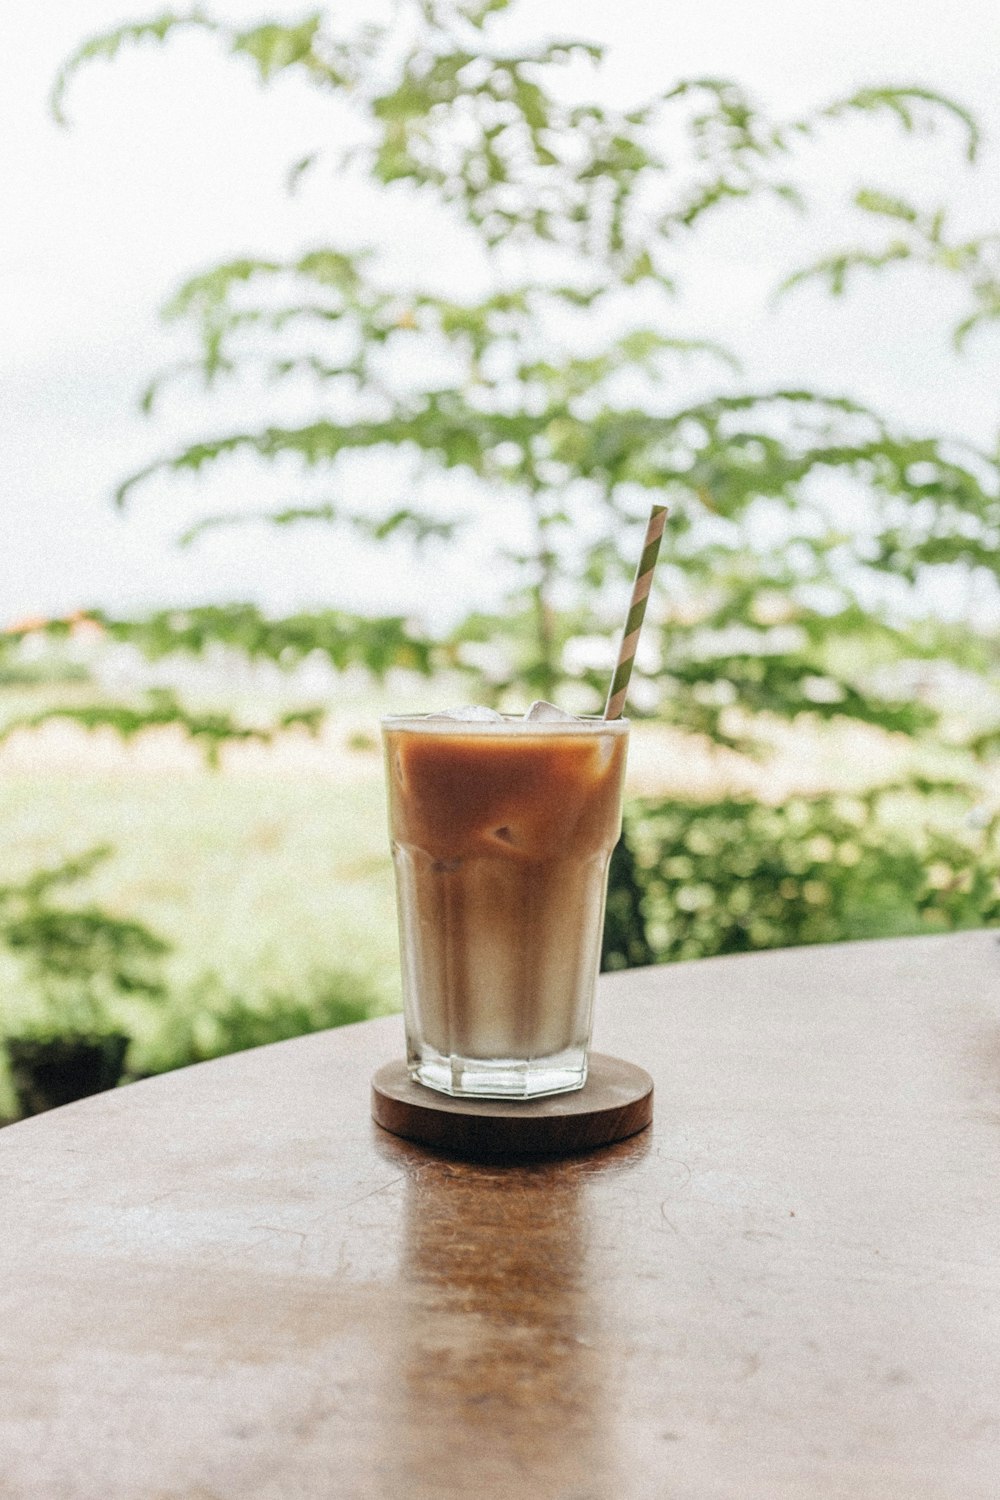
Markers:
732,876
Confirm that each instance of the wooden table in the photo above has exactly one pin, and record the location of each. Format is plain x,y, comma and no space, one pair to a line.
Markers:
228,1284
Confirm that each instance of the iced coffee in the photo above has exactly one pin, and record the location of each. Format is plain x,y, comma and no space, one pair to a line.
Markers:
501,830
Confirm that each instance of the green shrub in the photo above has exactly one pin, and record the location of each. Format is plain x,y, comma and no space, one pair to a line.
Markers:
625,944
736,875
212,1021
81,963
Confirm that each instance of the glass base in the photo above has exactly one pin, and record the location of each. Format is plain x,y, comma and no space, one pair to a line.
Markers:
499,1077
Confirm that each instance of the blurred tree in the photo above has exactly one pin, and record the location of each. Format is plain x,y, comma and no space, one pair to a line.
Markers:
549,389
918,237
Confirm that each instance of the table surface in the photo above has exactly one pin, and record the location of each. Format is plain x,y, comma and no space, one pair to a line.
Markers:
228,1284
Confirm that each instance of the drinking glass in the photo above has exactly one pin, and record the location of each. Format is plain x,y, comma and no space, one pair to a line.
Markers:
502,831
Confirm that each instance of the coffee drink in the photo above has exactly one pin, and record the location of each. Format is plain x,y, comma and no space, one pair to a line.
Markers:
502,830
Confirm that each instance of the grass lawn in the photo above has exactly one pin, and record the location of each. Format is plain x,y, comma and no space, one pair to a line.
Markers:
259,879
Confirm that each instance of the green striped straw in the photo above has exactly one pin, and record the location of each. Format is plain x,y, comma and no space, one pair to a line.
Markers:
636,610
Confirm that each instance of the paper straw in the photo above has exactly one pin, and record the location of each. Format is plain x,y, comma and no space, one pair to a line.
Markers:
636,611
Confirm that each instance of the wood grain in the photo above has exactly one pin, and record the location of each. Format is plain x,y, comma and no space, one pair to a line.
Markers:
616,1102
230,1284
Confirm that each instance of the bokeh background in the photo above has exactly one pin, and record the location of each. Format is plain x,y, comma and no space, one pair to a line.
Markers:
742,257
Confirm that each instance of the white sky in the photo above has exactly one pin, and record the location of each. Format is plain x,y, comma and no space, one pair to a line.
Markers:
175,159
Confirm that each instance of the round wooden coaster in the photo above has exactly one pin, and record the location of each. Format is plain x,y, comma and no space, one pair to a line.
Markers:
615,1102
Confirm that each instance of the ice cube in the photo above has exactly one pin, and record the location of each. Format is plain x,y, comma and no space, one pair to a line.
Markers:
473,713
547,713
470,714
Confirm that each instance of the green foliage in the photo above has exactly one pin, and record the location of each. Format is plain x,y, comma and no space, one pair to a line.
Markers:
527,162
914,109
737,875
404,521
573,433
562,400
81,961
378,644
213,1021
209,730
108,44
15,674
88,968
344,639
625,944
919,237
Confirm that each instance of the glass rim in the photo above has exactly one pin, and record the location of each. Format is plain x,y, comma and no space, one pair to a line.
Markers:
509,724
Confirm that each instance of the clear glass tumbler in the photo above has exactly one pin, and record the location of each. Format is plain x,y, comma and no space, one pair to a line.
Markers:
501,836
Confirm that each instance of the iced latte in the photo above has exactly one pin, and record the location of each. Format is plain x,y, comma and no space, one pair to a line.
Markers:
502,830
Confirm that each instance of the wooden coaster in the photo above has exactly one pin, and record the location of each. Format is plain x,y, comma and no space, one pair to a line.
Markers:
614,1103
